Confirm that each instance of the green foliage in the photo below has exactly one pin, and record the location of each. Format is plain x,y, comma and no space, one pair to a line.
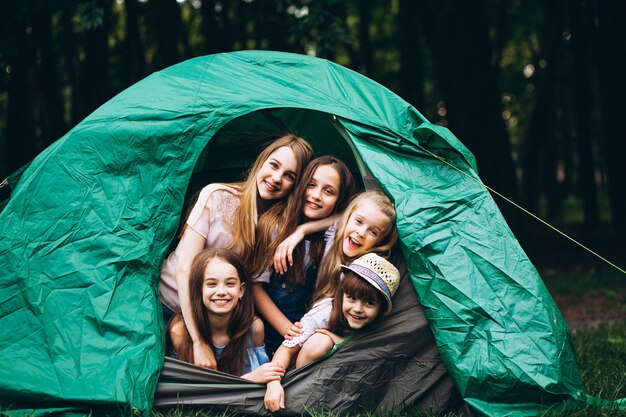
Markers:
91,15
318,25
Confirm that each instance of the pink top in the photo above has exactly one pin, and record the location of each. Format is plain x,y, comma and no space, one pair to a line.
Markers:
213,217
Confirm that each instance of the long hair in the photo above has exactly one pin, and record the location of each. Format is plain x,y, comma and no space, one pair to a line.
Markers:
330,269
277,223
242,317
247,214
359,288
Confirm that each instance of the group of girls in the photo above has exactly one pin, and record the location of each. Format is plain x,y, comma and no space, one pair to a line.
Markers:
292,244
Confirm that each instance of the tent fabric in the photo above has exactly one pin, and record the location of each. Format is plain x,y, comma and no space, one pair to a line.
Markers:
90,219
393,365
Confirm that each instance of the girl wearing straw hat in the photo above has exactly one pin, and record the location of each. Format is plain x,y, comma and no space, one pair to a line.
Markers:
364,292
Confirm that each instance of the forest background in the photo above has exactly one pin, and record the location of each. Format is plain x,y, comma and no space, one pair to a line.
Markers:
535,89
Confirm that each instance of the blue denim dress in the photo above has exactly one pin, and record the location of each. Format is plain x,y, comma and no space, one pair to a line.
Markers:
255,355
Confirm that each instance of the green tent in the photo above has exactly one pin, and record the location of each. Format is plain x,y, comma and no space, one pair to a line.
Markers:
89,221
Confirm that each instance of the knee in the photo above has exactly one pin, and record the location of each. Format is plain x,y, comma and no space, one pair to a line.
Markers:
178,333
317,346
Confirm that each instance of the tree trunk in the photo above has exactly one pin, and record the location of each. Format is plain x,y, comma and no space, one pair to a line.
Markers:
612,61
540,159
411,76
168,31
94,70
135,57
457,35
365,44
72,64
584,106
21,145
51,104
210,31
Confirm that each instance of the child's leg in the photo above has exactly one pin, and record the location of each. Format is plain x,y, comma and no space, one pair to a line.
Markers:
316,347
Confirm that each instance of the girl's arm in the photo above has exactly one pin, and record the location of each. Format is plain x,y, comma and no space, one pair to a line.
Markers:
317,346
317,317
189,246
268,371
283,256
267,308
275,393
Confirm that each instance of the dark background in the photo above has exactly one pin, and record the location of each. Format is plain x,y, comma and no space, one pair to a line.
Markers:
533,88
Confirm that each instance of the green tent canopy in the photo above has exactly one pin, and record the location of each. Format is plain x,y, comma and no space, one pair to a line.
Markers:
90,219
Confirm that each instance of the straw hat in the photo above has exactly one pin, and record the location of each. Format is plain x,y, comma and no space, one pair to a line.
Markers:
377,271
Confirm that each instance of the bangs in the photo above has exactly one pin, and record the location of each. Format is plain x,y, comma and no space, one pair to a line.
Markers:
359,288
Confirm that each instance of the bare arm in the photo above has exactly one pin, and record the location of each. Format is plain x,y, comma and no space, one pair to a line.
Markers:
189,246
275,394
283,258
267,308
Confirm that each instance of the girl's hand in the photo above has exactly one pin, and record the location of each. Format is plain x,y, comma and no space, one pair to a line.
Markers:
265,373
334,337
203,356
283,256
274,396
293,330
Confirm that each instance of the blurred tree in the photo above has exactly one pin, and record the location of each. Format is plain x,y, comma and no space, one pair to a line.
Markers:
409,41
581,33
541,150
212,37
167,26
611,55
134,54
19,57
458,37
462,64
94,71
47,76
70,58
365,62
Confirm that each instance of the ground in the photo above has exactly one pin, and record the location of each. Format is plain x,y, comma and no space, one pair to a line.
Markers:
588,291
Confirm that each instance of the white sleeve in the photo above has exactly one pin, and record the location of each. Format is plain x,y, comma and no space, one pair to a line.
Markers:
199,217
316,318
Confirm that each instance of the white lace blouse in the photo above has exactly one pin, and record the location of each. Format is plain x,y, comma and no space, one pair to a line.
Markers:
213,217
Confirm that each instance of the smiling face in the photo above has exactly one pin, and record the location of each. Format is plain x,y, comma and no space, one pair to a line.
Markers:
222,288
366,226
322,193
358,312
277,175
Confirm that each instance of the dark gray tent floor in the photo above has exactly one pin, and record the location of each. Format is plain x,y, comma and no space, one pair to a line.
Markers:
393,365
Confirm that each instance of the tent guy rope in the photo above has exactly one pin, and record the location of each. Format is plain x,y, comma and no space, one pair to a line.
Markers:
508,200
